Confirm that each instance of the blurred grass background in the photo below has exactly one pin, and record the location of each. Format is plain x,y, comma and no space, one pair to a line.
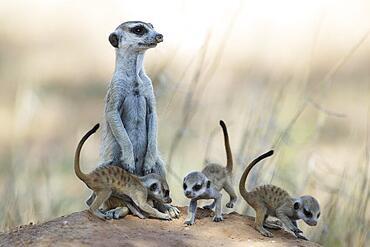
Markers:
291,75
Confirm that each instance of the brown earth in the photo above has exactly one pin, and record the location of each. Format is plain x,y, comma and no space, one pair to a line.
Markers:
82,229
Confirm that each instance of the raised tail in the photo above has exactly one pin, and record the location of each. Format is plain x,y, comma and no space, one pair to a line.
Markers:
229,155
78,171
242,189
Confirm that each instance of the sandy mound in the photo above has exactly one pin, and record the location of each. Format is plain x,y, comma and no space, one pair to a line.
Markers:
82,229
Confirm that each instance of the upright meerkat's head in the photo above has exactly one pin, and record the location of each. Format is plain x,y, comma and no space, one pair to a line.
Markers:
195,184
158,188
307,208
135,35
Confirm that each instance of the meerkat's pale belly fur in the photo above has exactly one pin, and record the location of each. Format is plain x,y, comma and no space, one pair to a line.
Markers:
135,122
135,112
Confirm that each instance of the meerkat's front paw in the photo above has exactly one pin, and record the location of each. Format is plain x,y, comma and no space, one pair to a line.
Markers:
173,211
230,204
130,167
166,217
218,218
189,221
148,167
264,232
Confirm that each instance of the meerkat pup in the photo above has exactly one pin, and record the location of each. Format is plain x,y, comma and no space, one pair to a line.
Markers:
208,184
271,200
105,180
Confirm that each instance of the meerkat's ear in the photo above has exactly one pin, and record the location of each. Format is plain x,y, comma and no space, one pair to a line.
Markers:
208,184
113,39
150,25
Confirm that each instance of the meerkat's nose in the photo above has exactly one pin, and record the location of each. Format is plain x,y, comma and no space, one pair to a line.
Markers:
159,37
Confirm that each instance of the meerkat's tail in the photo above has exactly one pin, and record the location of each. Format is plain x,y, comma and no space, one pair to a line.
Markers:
78,171
242,189
229,155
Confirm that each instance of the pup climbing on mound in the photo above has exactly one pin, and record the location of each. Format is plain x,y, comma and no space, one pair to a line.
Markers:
271,200
109,179
208,184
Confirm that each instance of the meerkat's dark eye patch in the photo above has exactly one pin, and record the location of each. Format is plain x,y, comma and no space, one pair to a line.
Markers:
318,215
296,205
307,213
153,187
208,184
139,30
166,193
184,186
197,187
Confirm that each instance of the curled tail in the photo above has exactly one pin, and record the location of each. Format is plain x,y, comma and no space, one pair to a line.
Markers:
242,189
229,155
78,171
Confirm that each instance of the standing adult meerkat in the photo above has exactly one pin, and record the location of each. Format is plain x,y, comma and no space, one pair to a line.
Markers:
105,180
208,184
271,200
130,125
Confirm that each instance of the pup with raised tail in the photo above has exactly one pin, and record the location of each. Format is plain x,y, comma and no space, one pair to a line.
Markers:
208,184
109,179
271,200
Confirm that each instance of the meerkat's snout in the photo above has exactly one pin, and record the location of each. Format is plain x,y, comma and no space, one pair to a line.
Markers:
159,38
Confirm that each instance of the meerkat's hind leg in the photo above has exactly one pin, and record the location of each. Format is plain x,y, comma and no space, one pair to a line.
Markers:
261,211
101,197
228,187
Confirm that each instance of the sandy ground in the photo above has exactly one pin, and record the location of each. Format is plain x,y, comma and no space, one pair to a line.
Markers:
82,229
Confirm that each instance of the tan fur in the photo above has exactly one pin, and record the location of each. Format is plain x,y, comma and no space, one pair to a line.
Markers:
105,180
271,200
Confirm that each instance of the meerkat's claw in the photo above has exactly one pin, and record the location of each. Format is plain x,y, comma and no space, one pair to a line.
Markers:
129,168
218,218
173,211
189,222
265,232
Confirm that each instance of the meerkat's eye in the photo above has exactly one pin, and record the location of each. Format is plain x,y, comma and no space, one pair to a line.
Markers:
318,215
307,213
166,193
153,187
197,187
139,30
184,186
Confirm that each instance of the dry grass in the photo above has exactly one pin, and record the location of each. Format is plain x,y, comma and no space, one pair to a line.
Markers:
313,110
